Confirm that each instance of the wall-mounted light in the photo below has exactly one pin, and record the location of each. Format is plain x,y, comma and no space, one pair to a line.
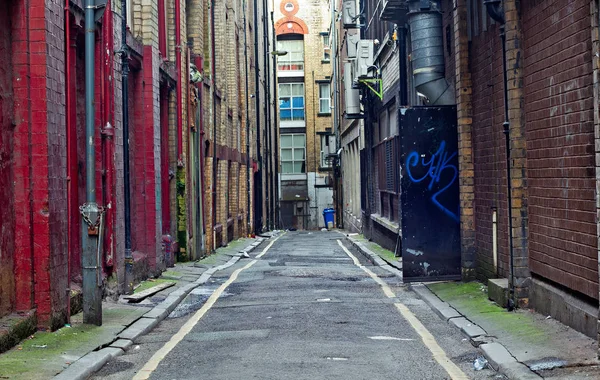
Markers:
279,53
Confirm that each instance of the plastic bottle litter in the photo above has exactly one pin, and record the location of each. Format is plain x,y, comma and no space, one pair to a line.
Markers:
480,363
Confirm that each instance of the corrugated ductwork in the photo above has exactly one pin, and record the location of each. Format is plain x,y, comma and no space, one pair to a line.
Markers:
425,20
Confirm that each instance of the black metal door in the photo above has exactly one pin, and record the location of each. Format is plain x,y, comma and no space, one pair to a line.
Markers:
430,194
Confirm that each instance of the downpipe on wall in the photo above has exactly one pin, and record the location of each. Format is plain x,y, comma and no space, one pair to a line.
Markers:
496,12
126,165
92,297
247,121
258,185
214,114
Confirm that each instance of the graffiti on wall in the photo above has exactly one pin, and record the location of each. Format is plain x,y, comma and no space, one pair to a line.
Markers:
430,206
439,169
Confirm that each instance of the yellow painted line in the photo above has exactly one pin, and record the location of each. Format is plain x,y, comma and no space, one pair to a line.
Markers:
438,353
159,355
386,289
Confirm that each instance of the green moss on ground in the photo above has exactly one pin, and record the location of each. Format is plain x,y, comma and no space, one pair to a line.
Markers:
32,359
471,300
385,254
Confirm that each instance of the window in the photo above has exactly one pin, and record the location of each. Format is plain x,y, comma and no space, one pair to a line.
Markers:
162,28
326,49
294,59
325,163
324,98
291,101
129,10
293,153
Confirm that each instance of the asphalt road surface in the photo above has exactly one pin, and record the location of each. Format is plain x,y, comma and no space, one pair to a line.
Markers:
306,306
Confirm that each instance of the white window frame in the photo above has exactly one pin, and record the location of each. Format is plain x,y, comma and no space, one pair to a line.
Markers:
326,48
294,150
292,97
325,98
293,61
129,15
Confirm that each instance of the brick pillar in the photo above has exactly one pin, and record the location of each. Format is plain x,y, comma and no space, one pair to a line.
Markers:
464,91
595,14
518,150
39,160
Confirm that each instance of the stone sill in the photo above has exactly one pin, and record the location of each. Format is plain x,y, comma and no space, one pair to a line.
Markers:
385,222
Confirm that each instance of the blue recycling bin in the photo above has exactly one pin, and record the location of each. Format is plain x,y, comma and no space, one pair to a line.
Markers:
328,217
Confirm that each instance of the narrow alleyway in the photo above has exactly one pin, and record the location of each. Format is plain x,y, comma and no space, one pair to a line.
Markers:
304,310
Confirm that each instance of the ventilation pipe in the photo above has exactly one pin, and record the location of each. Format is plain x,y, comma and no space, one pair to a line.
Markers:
425,20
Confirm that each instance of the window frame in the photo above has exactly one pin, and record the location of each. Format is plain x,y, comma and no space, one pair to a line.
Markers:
286,63
291,97
328,98
293,148
325,163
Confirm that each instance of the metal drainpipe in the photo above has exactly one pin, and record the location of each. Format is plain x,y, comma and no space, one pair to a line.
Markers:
267,111
92,297
69,147
126,169
275,129
496,12
200,66
334,81
270,115
247,110
214,105
179,71
257,186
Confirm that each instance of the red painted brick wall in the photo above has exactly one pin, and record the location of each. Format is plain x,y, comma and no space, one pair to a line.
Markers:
489,152
560,143
7,211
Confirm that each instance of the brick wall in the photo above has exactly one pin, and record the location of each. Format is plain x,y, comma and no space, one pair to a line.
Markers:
489,153
7,213
560,143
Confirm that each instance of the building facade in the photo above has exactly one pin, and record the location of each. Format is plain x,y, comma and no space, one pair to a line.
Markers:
304,92
178,141
522,79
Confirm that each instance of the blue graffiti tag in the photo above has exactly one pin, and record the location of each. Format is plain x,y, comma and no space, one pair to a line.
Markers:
438,163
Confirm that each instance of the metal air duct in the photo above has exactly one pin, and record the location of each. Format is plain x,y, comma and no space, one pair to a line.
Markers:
425,20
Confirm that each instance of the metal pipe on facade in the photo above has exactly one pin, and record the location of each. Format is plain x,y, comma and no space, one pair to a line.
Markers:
126,169
247,110
200,66
496,12
92,298
258,185
70,138
425,19
275,128
268,116
214,107
178,48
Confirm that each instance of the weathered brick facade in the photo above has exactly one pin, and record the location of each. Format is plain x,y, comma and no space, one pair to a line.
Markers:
42,141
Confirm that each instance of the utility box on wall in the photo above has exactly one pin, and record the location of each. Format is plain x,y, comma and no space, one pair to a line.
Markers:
430,219
365,59
351,95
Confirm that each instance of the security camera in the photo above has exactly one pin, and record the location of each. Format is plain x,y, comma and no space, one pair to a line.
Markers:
251,95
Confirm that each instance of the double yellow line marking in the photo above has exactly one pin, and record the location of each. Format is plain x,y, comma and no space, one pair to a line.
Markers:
155,360
438,353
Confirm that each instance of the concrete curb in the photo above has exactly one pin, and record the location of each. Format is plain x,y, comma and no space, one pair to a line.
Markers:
373,257
93,361
499,358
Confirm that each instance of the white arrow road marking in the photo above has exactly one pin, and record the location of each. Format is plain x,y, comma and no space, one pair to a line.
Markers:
438,353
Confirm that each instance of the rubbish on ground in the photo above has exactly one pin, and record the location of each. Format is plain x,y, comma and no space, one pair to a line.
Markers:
40,346
480,363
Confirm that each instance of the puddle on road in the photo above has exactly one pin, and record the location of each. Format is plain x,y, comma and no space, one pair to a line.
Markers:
194,301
